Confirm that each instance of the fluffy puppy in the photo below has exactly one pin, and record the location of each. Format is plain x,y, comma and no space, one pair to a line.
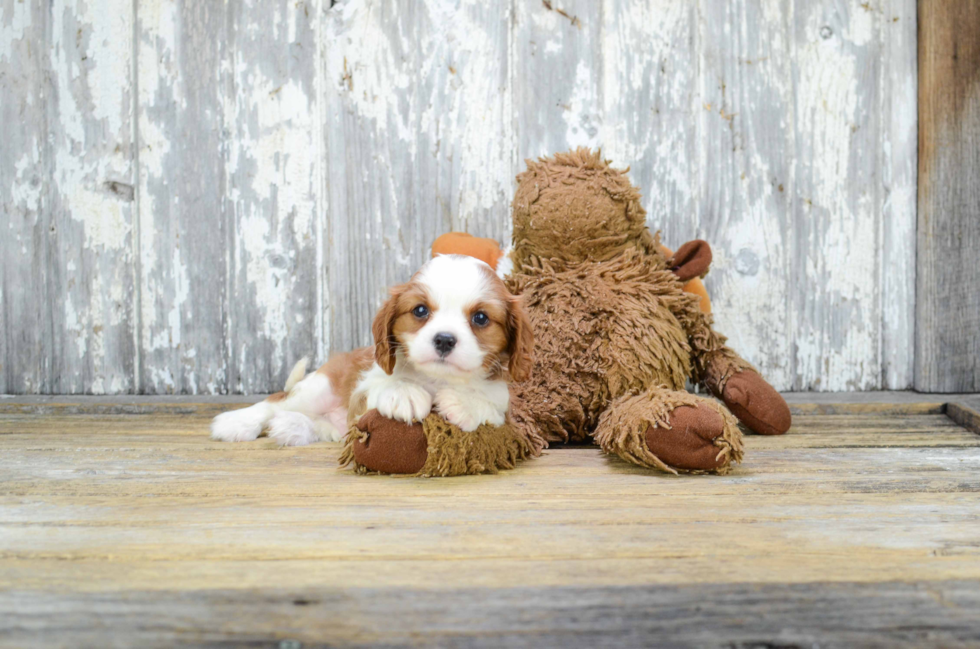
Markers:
451,338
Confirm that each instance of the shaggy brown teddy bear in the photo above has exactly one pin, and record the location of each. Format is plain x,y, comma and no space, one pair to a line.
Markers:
616,336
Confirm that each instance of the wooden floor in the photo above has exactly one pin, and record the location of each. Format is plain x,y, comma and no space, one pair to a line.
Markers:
125,525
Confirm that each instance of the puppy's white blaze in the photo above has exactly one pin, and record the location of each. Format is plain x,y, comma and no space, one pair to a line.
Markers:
454,284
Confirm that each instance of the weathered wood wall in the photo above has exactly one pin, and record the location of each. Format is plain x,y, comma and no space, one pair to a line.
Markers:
195,194
947,344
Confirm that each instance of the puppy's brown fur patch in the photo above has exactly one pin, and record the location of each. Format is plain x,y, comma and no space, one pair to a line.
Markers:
406,323
508,337
345,369
395,319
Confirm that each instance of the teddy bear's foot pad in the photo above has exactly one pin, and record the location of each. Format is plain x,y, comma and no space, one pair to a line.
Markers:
757,404
390,446
689,443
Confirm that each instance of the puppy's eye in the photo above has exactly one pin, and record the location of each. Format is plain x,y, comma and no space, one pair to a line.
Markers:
480,319
420,311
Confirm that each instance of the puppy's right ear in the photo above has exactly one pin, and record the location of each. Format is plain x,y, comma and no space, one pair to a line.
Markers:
521,344
383,330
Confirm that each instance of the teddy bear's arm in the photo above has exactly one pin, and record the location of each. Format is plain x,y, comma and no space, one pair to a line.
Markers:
729,377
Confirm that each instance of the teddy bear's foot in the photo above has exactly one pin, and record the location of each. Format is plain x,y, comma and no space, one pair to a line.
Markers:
756,403
689,440
671,430
389,446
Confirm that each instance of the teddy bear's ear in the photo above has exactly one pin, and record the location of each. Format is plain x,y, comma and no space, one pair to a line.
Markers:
691,260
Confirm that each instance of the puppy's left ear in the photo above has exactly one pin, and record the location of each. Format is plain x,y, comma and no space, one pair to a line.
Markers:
520,347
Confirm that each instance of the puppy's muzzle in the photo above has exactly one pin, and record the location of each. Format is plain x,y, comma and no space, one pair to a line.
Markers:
444,343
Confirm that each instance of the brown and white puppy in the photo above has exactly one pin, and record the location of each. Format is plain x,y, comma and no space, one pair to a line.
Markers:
451,338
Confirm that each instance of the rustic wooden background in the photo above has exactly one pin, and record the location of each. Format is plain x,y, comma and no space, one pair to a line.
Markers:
197,193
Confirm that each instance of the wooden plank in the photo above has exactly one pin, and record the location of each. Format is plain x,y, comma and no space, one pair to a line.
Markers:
947,335
557,76
835,315
745,129
935,470
67,172
648,106
827,403
964,415
898,169
418,142
850,528
185,227
275,200
25,161
80,447
101,429
185,407
825,614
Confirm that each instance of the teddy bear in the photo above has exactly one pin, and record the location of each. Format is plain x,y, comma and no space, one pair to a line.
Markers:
616,334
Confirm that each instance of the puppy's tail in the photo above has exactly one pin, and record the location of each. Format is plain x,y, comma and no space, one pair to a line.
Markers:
297,374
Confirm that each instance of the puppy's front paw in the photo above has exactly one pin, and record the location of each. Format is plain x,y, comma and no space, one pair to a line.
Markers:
402,401
465,411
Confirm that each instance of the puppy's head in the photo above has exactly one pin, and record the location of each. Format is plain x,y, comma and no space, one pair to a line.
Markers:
454,319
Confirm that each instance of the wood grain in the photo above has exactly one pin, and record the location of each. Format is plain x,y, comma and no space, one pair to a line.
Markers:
746,193
851,529
288,162
185,227
275,193
947,341
736,615
67,171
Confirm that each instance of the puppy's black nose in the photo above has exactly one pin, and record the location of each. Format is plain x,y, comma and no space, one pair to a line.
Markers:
444,343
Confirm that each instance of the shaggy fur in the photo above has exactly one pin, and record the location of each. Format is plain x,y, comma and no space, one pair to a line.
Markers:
622,427
451,452
616,337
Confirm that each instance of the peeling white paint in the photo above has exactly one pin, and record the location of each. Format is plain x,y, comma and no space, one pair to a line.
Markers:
581,112
26,190
742,122
15,23
841,261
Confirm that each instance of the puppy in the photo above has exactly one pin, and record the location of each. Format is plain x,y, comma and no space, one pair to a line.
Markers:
451,338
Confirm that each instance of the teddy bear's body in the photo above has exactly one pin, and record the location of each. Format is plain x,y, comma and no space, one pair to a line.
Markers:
603,329
616,336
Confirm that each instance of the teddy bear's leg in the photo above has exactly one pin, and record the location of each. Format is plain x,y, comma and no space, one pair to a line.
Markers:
671,430
745,392
730,378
